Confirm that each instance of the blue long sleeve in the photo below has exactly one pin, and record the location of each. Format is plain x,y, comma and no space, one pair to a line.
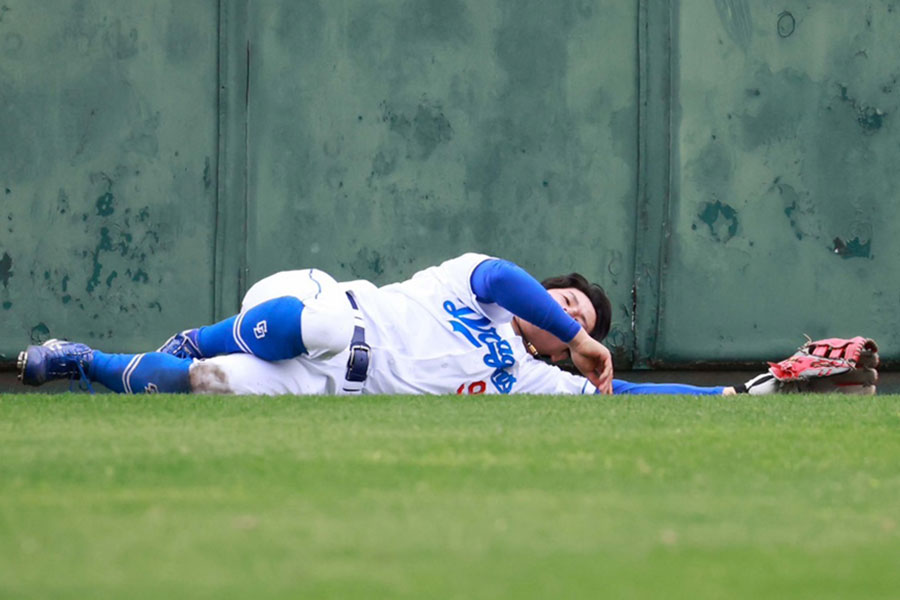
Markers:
626,387
507,284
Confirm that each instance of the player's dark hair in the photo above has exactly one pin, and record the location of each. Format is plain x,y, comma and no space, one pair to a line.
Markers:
595,294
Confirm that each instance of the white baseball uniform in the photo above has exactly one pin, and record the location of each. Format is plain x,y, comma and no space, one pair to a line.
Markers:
428,335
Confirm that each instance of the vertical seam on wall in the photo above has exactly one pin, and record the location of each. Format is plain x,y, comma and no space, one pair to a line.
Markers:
220,151
245,246
654,173
666,221
231,228
640,205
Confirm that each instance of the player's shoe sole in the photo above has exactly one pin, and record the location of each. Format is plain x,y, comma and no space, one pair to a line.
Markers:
20,364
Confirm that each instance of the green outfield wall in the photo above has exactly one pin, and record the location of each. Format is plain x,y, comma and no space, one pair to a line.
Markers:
727,169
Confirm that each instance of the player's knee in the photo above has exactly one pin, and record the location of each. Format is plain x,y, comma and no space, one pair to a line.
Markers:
272,330
327,325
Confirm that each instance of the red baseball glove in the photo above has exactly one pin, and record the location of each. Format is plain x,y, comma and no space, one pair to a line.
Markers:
833,365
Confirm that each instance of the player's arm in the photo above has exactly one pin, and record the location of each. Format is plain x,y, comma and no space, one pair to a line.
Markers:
511,287
593,360
669,389
537,377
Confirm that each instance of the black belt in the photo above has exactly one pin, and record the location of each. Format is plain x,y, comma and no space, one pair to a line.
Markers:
358,361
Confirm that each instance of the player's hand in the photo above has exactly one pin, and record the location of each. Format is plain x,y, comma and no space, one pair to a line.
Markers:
593,360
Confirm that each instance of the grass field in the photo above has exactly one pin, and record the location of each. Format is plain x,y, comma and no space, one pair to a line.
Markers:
449,497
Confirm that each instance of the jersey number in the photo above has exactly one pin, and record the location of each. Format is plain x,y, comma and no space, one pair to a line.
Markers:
475,388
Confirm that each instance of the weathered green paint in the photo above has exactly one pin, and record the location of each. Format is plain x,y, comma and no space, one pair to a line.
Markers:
107,119
710,162
784,178
387,136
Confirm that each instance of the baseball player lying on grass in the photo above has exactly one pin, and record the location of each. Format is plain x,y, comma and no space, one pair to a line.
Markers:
471,325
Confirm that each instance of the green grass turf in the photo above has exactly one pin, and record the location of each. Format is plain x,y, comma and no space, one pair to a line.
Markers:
449,497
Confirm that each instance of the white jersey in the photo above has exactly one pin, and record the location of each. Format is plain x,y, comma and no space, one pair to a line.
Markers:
431,335
428,335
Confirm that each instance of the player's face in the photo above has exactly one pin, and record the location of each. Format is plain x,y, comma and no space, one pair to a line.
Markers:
578,306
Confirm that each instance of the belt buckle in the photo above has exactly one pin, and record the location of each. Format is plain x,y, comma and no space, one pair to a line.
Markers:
358,363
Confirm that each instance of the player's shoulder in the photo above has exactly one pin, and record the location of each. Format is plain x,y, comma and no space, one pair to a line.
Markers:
451,270
464,263
467,258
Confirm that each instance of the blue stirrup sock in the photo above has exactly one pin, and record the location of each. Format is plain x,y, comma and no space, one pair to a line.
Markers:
141,373
270,331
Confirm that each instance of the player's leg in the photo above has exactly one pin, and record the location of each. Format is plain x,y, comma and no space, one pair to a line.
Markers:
626,387
288,314
246,374
156,372
123,373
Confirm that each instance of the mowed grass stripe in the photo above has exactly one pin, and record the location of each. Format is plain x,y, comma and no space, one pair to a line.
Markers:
470,497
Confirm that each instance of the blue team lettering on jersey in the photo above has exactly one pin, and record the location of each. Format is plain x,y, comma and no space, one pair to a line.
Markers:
477,330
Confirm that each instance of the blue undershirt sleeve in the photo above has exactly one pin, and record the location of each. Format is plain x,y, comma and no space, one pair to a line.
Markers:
626,387
507,284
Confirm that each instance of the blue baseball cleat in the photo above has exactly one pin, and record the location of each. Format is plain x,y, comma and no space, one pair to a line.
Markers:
54,359
183,345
